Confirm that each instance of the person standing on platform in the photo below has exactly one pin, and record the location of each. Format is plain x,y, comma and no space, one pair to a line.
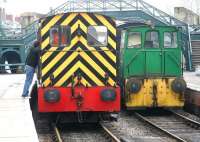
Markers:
31,64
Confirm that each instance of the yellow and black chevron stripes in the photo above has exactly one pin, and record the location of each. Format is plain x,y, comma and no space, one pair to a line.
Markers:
92,63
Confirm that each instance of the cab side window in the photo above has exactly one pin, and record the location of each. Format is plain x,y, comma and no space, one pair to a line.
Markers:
170,40
151,40
134,40
97,36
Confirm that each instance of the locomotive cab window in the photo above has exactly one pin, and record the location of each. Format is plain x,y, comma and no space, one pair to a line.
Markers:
151,40
170,40
60,36
97,36
54,36
134,40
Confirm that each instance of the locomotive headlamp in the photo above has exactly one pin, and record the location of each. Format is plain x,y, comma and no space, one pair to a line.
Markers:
51,95
108,95
178,85
133,85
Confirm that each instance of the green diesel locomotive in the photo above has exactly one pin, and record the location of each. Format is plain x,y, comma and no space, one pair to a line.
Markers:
151,66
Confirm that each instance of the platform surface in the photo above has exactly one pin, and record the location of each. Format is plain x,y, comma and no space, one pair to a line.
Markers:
16,123
193,80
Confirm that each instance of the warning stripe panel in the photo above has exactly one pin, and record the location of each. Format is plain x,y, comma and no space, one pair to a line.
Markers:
78,58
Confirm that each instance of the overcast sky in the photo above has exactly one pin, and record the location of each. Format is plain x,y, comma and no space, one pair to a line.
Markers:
42,6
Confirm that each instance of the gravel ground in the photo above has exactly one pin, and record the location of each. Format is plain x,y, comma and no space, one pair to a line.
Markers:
131,128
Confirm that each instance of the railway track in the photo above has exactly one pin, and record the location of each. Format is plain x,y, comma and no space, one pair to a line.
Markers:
173,124
79,133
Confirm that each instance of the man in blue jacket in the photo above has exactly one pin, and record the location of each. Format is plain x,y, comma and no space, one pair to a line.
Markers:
31,64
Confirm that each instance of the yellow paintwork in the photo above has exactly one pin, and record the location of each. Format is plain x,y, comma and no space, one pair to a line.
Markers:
166,97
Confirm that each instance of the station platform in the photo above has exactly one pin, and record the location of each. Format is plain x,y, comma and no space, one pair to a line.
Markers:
193,80
16,122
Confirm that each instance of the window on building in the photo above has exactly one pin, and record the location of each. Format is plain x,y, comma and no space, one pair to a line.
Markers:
97,36
134,40
170,39
151,40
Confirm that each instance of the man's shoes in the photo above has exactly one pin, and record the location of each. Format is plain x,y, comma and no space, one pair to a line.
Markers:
24,96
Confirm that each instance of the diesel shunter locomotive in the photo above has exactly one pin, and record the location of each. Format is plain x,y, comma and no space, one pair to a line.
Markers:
77,75
151,66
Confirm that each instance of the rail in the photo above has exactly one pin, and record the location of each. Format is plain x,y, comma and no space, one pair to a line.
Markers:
195,123
57,133
109,133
